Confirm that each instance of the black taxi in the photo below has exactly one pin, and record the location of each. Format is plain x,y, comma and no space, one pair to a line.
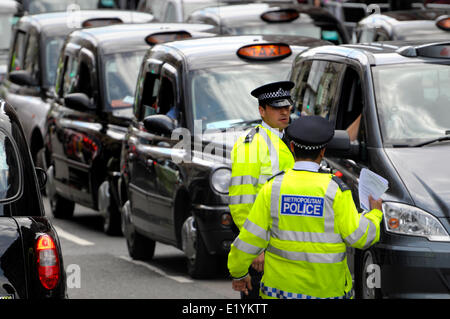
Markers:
31,263
96,80
273,17
392,98
407,25
192,102
33,57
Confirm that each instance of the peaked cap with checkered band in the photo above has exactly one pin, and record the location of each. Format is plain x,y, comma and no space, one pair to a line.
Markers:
276,94
310,132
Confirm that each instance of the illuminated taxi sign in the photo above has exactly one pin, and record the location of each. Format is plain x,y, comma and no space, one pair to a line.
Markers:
443,23
276,16
156,38
435,50
100,22
264,51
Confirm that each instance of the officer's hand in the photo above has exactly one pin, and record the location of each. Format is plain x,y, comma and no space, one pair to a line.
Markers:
244,284
258,263
375,203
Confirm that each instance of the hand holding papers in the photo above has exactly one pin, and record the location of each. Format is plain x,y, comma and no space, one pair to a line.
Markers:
370,184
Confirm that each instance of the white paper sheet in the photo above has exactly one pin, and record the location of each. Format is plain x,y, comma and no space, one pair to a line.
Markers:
370,184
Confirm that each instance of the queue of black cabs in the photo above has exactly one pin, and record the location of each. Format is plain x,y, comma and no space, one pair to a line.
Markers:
392,98
96,79
192,102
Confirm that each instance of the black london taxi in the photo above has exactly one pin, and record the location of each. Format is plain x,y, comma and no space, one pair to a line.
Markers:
30,81
195,92
273,17
96,79
31,263
407,25
392,98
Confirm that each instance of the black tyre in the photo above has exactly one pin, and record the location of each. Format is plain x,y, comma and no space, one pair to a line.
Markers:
109,211
370,277
139,246
61,207
200,263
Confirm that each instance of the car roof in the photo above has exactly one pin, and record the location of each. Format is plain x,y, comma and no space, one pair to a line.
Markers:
395,18
378,53
132,36
222,50
61,23
251,13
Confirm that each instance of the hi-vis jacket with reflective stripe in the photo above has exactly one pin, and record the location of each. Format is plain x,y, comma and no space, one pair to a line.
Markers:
305,247
255,157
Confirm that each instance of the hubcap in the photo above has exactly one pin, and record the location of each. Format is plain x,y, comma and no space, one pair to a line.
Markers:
188,239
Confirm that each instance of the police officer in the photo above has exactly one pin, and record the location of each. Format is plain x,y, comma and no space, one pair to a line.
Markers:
304,220
258,155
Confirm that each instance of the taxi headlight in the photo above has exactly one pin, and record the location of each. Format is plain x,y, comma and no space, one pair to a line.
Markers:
409,220
220,180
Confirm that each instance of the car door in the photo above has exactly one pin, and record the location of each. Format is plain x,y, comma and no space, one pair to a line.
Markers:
75,133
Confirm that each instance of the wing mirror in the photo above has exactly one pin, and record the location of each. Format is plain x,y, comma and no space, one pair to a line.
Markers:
79,102
22,77
159,124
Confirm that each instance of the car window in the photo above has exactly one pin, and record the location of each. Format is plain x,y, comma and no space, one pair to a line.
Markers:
121,73
149,95
42,6
317,87
70,75
171,13
31,63
5,26
52,49
412,101
10,171
17,55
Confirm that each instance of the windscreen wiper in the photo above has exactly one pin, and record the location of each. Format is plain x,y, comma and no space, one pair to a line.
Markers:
246,122
438,139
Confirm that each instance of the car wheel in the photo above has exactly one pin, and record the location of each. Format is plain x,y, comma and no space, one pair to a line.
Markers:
109,211
139,246
370,277
61,207
200,263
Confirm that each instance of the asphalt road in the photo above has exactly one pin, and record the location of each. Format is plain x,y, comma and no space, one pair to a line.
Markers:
98,266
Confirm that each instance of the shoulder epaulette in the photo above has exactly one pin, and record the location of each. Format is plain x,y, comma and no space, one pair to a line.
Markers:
251,134
340,183
277,174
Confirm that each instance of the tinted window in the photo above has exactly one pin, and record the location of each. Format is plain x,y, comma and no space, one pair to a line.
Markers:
18,52
70,76
10,173
52,50
32,56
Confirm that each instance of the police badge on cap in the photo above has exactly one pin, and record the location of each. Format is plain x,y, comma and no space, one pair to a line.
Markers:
276,94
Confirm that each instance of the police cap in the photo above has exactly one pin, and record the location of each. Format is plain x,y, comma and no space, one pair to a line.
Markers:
310,132
276,94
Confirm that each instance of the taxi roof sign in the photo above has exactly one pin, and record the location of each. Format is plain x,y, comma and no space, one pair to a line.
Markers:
161,37
100,22
433,50
265,51
277,16
443,23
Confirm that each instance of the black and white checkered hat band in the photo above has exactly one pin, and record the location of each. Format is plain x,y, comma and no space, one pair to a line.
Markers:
275,95
308,147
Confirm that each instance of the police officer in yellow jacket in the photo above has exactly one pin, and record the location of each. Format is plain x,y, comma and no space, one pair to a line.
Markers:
259,154
303,220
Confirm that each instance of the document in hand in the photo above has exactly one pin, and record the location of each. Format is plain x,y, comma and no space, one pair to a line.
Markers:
370,184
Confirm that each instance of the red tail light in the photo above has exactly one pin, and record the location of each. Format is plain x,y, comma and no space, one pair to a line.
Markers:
47,262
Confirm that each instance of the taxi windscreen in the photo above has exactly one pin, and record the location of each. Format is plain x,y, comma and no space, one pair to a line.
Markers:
120,74
413,102
221,96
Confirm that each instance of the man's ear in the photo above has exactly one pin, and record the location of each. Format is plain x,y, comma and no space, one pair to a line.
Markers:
262,111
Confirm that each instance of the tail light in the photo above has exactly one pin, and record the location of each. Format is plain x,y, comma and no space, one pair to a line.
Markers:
47,262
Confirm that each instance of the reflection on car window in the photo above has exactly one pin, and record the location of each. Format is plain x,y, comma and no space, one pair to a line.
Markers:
42,6
121,72
5,26
52,49
412,101
9,171
221,96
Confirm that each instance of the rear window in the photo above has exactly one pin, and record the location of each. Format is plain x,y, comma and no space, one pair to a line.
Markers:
10,170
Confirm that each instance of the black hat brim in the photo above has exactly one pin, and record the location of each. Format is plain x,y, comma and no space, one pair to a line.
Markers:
279,103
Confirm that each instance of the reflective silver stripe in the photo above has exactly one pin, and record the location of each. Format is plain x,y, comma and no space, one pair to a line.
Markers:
329,258
359,232
306,236
328,236
273,150
247,248
241,199
243,180
256,230
371,234
274,200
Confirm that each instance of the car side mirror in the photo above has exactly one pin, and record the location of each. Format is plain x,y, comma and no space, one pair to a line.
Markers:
340,146
79,102
22,77
159,124
41,177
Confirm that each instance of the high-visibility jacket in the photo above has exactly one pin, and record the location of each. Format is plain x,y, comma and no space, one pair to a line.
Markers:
255,158
303,221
